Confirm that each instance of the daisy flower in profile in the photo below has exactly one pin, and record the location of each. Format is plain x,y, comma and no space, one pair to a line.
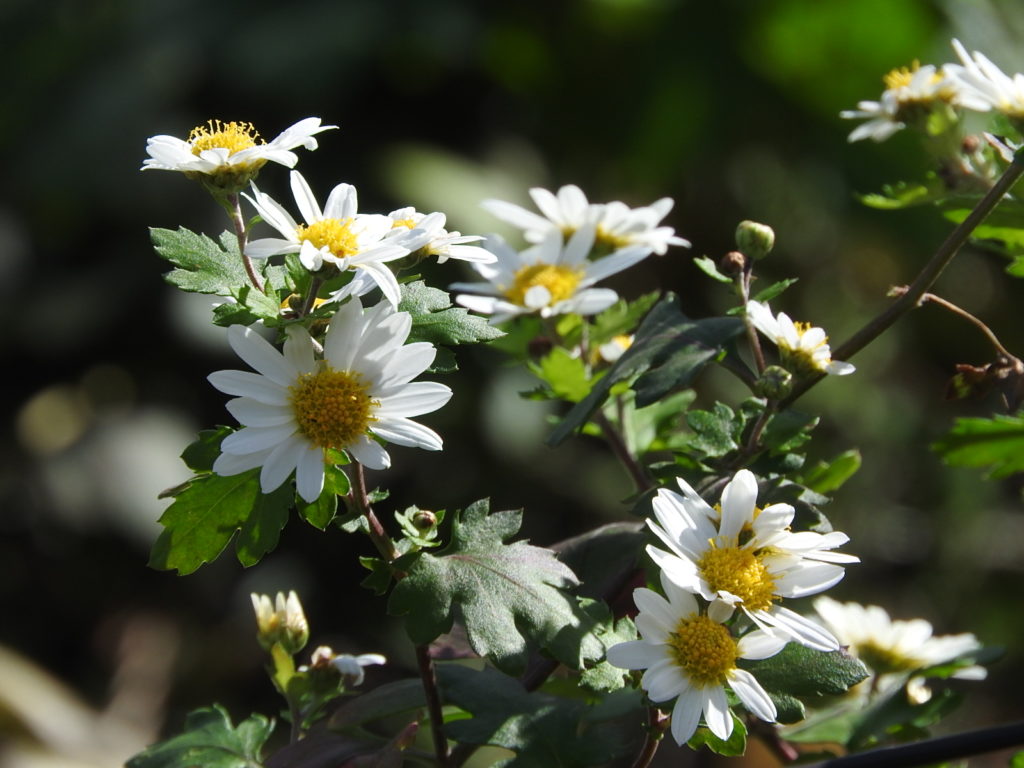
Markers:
985,86
337,234
910,95
893,648
746,557
691,656
804,348
548,279
425,234
231,153
616,224
296,408
349,667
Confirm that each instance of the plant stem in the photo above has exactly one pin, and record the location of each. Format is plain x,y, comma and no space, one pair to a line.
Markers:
743,283
941,750
310,299
238,221
361,499
993,339
657,723
622,453
927,276
429,679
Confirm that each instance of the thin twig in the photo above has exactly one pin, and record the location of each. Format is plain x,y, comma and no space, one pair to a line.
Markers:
993,339
622,453
657,722
361,499
238,221
743,282
429,678
926,278
310,299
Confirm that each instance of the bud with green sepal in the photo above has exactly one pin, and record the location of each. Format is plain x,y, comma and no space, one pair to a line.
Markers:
775,383
282,622
754,240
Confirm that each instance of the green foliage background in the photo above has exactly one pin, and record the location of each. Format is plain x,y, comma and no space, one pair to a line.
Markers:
729,107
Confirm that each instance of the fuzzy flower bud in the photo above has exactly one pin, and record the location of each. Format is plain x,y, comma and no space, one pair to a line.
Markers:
282,622
755,240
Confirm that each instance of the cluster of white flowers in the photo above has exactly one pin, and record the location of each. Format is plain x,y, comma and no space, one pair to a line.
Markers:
911,93
736,556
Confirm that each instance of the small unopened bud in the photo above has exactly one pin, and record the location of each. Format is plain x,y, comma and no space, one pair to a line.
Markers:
970,144
755,240
732,263
775,383
281,622
424,520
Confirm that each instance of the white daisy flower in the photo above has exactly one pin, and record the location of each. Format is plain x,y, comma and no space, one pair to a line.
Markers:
893,648
910,93
296,408
747,557
691,657
425,232
616,224
985,86
803,347
349,667
337,235
232,150
548,278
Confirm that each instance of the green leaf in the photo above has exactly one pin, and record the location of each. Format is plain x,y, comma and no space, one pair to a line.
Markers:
826,477
602,556
205,515
997,443
905,194
709,268
621,317
801,671
434,319
321,512
716,432
200,455
565,375
788,430
895,718
203,266
383,701
510,596
774,289
210,741
668,352
542,730
734,746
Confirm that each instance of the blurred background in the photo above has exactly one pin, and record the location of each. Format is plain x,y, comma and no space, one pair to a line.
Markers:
730,107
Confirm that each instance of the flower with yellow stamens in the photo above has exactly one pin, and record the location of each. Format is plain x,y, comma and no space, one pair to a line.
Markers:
803,348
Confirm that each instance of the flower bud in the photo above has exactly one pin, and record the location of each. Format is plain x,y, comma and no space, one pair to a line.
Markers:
424,520
732,263
775,383
282,622
755,240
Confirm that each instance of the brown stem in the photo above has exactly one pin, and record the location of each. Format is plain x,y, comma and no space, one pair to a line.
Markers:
622,453
926,278
238,221
993,339
657,722
743,281
429,678
361,499
310,299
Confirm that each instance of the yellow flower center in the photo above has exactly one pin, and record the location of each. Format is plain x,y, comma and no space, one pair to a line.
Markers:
884,660
335,234
560,282
740,572
332,408
610,239
407,223
704,649
901,76
232,136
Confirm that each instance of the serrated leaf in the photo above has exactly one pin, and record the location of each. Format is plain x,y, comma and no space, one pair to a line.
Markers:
997,443
208,511
668,352
826,477
209,740
203,266
434,319
542,730
801,671
565,375
510,596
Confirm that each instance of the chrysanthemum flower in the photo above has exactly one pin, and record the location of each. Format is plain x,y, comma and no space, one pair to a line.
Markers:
747,557
616,224
691,657
548,278
349,667
231,153
893,648
804,348
426,233
984,86
337,235
910,94
296,408
281,621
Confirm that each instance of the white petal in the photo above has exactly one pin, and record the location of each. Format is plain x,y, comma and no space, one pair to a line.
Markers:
686,714
228,464
252,439
753,696
309,473
656,618
280,464
304,198
759,645
635,654
408,433
716,712
664,680
247,384
261,355
253,413
415,399
369,453
808,579
738,501
802,630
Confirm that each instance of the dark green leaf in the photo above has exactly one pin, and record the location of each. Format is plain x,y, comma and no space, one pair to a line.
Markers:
716,432
321,512
788,430
209,741
774,289
435,320
668,352
603,556
801,671
997,443
826,477
735,745
200,455
896,718
509,595
232,313
259,532
542,730
383,701
381,575
203,266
